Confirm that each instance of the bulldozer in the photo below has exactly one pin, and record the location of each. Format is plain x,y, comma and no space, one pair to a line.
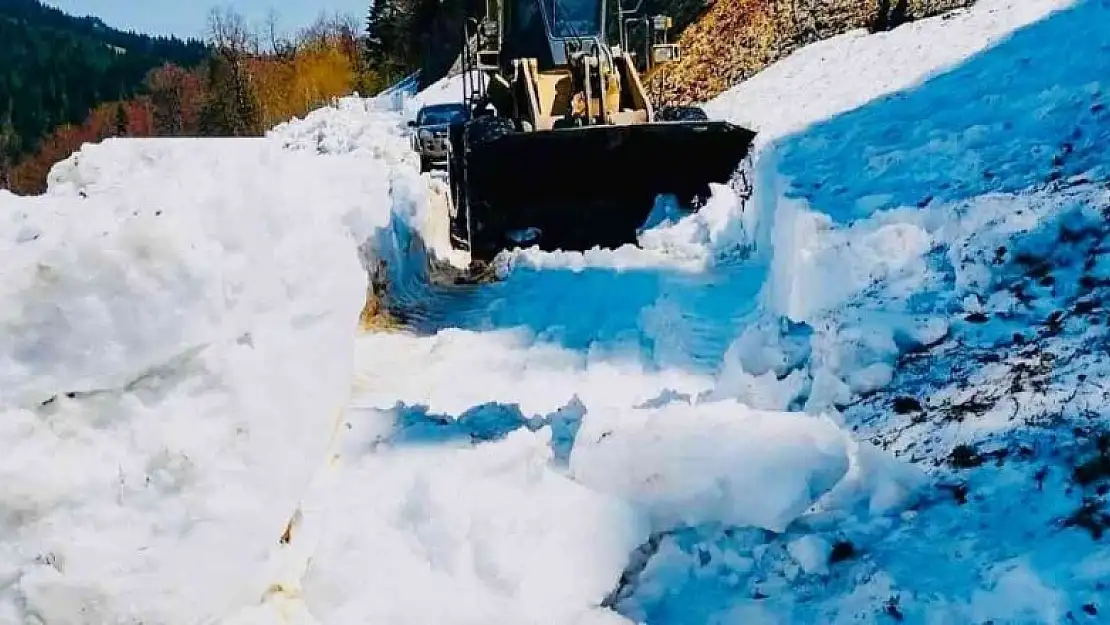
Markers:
562,147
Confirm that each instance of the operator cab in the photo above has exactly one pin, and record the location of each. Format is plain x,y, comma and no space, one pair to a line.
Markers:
573,18
545,29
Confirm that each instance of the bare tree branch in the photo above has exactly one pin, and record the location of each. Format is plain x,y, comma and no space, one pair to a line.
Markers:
228,30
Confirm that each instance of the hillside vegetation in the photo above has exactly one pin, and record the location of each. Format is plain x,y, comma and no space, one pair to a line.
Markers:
733,40
233,85
55,68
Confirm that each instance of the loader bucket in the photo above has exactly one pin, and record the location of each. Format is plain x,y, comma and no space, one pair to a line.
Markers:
592,186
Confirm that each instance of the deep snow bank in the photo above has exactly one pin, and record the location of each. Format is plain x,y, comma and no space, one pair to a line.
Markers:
939,254
176,319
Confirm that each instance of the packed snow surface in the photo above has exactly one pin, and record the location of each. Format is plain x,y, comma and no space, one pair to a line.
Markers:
867,394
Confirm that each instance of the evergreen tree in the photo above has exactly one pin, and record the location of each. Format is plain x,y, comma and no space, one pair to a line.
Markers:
373,47
392,37
230,109
121,120
9,147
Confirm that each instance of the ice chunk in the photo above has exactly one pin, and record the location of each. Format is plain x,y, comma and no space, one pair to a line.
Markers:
811,553
714,462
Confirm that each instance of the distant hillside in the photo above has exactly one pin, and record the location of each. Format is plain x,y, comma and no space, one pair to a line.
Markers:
55,68
66,82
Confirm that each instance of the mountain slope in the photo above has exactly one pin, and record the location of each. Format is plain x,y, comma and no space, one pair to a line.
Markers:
56,68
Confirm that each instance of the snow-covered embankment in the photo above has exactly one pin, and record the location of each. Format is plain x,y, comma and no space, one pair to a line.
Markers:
176,323
501,465
717,414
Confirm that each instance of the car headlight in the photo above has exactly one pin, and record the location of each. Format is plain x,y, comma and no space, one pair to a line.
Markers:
425,134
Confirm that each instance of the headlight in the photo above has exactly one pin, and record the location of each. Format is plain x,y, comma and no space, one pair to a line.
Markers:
425,134
665,53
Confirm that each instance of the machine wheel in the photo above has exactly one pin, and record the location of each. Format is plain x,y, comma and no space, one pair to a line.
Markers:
475,222
681,114
456,181
487,129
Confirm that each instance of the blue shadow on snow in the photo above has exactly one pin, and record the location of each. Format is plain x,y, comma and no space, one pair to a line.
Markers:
610,309
994,123
1026,112
416,425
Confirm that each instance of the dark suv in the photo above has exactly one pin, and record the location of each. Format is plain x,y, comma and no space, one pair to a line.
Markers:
430,137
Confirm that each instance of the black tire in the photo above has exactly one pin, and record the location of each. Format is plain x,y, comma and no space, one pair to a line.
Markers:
424,167
681,114
460,236
482,130
479,224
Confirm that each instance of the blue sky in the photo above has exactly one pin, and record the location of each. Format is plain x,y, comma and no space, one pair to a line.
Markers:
186,18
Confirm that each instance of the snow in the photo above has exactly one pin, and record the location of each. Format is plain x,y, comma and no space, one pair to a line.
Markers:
846,72
721,462
450,89
175,352
811,552
433,522
871,392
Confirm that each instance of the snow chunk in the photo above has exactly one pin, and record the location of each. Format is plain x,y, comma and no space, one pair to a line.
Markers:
1017,594
492,532
714,462
176,323
811,553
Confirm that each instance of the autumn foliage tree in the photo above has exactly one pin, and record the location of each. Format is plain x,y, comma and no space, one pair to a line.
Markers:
176,97
321,65
133,118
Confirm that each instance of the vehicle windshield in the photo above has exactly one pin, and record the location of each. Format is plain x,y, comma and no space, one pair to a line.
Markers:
573,18
442,115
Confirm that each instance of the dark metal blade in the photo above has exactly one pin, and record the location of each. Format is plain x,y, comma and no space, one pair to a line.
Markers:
595,185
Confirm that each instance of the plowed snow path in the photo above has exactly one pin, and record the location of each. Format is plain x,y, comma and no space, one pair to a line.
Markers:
665,317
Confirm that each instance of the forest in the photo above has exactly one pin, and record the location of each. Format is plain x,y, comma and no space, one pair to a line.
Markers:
66,81
55,68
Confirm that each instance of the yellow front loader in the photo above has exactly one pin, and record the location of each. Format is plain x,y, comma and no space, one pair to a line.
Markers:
562,147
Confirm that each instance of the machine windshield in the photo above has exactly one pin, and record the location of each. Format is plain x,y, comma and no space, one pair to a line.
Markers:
573,18
436,116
